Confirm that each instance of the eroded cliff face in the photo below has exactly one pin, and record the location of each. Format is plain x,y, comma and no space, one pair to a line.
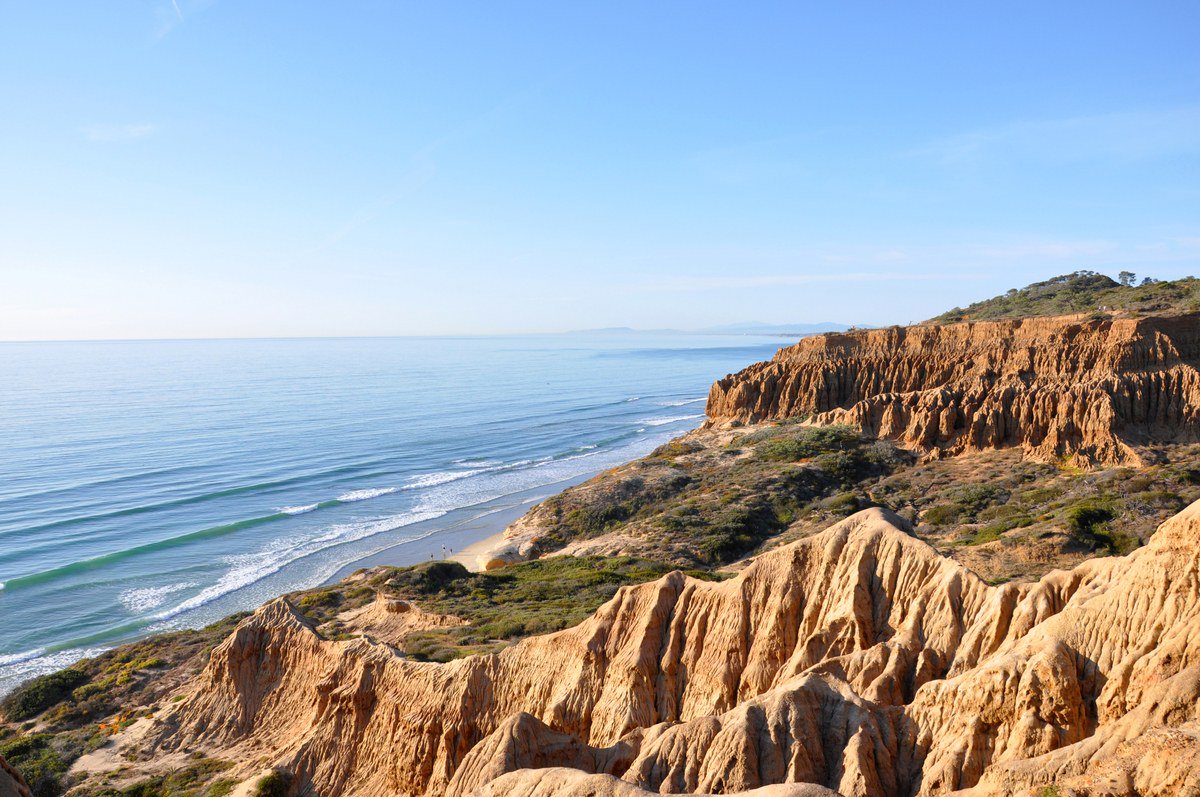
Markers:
1092,391
11,782
857,660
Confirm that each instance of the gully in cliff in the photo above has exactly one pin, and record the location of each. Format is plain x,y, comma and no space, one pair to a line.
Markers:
1093,392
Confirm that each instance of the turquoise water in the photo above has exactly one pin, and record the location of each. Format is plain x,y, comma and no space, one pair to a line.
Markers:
153,485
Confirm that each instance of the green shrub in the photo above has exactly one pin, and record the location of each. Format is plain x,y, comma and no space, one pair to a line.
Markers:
844,467
1039,495
807,442
275,784
1187,475
974,498
845,504
986,534
942,515
1084,519
38,762
322,599
195,780
1080,292
676,448
1089,521
36,695
431,577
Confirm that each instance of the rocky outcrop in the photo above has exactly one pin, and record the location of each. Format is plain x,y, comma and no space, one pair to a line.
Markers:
858,660
1092,391
11,782
560,782
390,620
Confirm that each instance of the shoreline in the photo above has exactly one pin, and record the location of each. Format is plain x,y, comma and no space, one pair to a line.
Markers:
475,557
467,535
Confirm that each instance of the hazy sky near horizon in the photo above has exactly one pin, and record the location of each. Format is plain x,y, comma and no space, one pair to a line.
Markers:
194,168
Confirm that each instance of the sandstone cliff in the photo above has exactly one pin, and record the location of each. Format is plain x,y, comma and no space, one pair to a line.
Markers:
11,782
1093,391
857,660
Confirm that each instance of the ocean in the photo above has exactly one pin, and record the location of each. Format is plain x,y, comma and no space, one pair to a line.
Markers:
153,485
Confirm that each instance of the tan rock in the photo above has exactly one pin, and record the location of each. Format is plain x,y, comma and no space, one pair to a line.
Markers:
573,783
1087,390
11,782
390,620
857,659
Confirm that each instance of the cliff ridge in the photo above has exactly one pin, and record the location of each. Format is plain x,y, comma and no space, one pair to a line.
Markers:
1088,391
858,660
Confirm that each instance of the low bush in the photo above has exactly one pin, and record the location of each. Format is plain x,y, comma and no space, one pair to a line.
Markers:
807,442
676,448
533,597
42,766
36,695
276,784
942,515
1084,519
845,504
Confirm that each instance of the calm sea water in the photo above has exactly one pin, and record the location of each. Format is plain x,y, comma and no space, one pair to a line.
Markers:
153,485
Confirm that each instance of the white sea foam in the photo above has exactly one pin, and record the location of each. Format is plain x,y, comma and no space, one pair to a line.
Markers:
363,495
437,499
441,477
672,419
18,667
484,466
143,599
681,403
8,659
247,569
633,398
300,509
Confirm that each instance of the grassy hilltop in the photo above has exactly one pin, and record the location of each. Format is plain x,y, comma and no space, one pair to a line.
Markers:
1085,292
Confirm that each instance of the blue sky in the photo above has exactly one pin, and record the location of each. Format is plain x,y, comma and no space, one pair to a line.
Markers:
197,168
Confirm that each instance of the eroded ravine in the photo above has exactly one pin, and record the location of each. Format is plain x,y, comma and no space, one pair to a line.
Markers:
857,659
1091,391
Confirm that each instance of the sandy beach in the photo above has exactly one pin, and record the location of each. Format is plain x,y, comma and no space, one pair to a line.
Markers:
466,535
476,555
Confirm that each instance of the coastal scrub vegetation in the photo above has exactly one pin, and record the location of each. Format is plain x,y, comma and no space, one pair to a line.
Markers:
1039,515
501,606
36,756
699,503
41,693
709,499
201,778
1085,292
696,503
53,719
274,784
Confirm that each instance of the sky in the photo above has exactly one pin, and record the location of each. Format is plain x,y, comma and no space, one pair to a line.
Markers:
201,168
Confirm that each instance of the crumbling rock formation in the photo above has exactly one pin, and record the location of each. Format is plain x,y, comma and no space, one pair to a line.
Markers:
11,782
560,782
390,620
858,660
1092,391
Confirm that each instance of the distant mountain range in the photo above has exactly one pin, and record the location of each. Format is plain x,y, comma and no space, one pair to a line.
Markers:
744,328
762,328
